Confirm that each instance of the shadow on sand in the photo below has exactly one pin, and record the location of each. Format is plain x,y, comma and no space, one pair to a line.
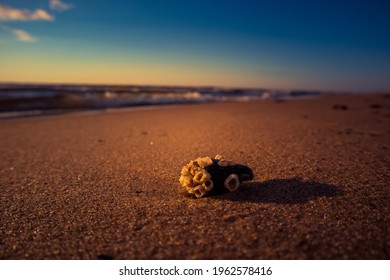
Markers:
282,191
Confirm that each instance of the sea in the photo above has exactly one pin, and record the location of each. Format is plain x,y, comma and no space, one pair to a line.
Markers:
24,100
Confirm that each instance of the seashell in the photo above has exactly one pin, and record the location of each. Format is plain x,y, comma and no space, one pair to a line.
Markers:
201,176
194,169
218,157
232,182
208,185
190,190
204,161
206,176
199,191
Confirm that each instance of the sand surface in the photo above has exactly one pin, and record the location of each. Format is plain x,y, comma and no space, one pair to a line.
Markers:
105,186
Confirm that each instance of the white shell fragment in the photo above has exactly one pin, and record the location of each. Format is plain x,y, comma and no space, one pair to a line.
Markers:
199,191
208,185
232,182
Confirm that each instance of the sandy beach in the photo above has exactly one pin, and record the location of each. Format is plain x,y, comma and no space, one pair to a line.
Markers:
105,186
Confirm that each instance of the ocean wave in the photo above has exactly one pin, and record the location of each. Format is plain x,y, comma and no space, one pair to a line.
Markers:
39,99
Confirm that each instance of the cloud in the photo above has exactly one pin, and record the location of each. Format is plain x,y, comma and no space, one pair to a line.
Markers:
11,14
23,36
58,5
20,34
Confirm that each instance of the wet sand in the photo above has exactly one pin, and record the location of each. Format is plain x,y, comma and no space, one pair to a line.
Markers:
105,186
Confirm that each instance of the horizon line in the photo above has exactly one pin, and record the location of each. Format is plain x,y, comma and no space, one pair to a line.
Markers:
191,86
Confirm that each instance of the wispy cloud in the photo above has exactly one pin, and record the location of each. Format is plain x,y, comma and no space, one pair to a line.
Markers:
21,35
11,14
59,5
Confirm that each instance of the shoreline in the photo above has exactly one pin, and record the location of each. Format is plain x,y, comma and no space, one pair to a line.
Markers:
36,114
27,114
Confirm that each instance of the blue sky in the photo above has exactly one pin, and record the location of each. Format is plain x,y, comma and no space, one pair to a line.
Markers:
328,45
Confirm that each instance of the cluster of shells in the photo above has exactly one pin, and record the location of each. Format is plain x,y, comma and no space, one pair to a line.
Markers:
199,182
